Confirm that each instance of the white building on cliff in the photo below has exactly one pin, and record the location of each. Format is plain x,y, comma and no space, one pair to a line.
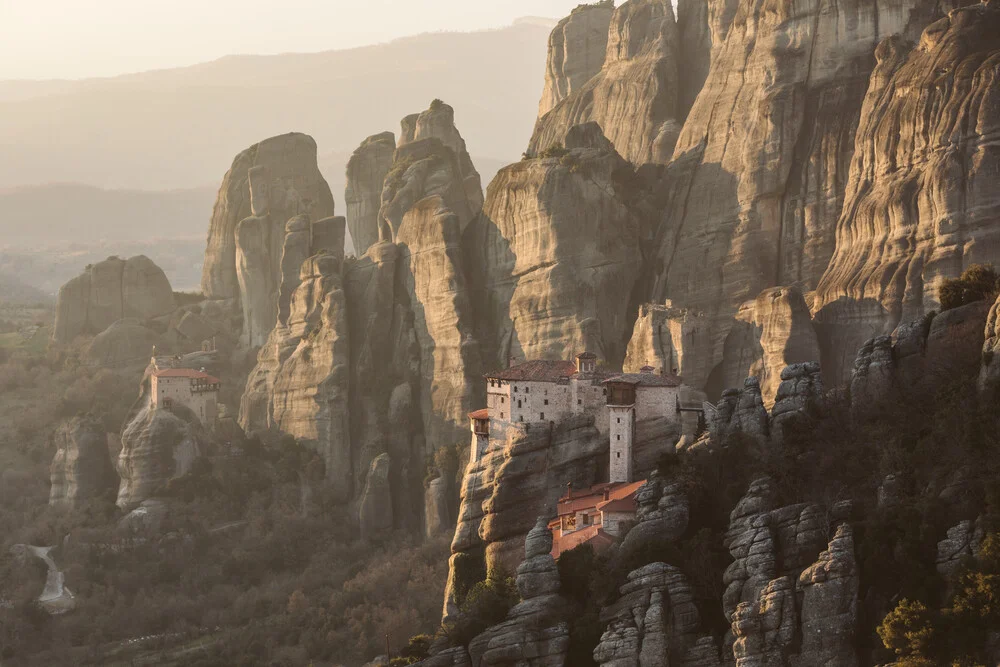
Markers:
196,390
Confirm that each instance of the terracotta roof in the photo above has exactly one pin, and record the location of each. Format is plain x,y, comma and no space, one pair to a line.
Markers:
593,535
621,505
586,355
646,379
185,373
480,414
536,371
594,497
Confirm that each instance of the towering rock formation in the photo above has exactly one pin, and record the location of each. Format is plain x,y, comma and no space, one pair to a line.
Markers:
81,469
558,244
437,122
268,184
756,183
366,172
921,203
664,337
694,55
109,291
577,48
634,98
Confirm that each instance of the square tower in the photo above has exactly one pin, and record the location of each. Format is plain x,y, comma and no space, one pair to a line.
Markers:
621,411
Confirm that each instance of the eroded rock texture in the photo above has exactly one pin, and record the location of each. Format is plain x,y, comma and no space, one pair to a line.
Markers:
922,203
366,172
665,337
799,398
109,291
755,188
577,48
285,182
81,469
559,243
635,96
740,411
989,375
158,446
125,343
830,605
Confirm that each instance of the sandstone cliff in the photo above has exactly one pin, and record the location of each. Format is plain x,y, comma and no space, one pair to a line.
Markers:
635,96
109,291
81,469
921,204
366,172
758,176
267,185
559,243
578,46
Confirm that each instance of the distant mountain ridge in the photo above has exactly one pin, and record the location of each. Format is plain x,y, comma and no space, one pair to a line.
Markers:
178,128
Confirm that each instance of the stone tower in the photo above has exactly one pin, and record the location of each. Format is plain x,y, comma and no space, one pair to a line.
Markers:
621,411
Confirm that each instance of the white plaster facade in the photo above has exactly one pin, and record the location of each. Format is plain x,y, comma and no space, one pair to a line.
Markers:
622,435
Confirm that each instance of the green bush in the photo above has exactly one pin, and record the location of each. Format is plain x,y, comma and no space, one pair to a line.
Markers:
977,283
486,604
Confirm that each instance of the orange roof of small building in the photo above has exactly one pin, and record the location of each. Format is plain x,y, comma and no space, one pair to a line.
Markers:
619,505
185,373
480,414
574,501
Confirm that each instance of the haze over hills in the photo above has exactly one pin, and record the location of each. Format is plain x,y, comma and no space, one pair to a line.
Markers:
179,128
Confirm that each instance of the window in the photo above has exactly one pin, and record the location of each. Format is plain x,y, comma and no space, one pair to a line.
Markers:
619,437
618,455
619,420
586,519
542,416
503,400
519,404
527,390
515,388
501,415
522,418
605,392
579,401
546,401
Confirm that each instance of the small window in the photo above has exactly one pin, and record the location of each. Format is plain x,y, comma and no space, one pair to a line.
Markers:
619,420
527,390
522,418
519,404
501,415
542,416
515,388
619,455
579,401
546,401
619,437
605,392
503,400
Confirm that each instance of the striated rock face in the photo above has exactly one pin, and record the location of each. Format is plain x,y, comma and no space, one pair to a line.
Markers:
157,446
366,172
755,188
272,181
577,48
662,514
438,508
634,98
764,630
830,605
921,204
536,632
664,337
694,55
375,509
301,383
559,245
81,469
437,122
654,619
110,291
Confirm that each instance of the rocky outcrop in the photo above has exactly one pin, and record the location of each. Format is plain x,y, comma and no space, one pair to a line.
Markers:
799,398
415,146
536,632
830,605
558,242
109,291
81,469
765,630
272,182
635,96
124,343
962,543
654,621
740,411
920,204
375,508
577,48
664,337
662,514
918,355
438,508
989,374
366,172
158,446
694,55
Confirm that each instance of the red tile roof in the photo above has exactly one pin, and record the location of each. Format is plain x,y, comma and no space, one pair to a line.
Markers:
594,497
185,373
480,414
593,535
621,505
538,370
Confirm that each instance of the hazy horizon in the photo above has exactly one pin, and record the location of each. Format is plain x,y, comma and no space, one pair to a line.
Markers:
116,37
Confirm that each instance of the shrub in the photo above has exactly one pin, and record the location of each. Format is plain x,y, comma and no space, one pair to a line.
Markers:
977,283
486,604
908,629
555,150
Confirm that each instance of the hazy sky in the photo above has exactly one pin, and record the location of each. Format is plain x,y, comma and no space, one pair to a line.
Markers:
84,38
